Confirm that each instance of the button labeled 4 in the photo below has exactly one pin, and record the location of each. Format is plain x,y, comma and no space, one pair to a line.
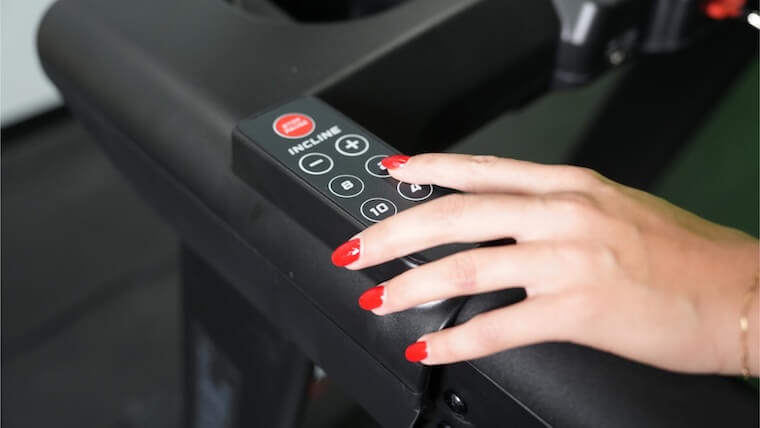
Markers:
414,192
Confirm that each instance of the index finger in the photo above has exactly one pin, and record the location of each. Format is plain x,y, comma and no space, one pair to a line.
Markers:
485,174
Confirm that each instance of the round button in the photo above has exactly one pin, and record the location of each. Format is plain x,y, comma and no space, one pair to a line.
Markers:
346,186
375,167
293,125
414,192
352,145
377,209
315,163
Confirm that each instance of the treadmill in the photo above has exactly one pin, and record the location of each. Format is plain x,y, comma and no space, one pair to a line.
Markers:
190,99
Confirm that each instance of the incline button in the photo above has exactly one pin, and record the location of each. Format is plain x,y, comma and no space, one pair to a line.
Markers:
293,125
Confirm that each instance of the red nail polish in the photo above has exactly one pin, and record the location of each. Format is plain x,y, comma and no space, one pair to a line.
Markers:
395,161
372,298
346,253
416,352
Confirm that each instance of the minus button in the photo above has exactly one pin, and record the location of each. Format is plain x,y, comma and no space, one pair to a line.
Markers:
315,163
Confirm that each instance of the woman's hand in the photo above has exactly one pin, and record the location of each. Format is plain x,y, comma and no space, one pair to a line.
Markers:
603,265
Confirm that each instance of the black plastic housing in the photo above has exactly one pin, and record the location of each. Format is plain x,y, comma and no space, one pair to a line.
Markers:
599,35
595,36
162,84
674,24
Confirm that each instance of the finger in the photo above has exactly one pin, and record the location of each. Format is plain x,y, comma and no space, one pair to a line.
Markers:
461,218
534,320
539,267
456,218
481,174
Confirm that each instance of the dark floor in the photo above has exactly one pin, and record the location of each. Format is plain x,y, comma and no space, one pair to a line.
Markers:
89,290
90,316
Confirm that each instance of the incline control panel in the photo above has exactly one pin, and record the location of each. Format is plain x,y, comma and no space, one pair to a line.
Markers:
331,165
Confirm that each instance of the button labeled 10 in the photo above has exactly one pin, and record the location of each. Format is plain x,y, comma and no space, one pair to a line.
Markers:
377,209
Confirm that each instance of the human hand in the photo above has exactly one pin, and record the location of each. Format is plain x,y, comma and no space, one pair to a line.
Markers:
603,265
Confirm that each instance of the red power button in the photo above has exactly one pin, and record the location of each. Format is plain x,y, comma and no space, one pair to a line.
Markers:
293,125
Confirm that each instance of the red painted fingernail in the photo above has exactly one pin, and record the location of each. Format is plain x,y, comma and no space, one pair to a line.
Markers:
395,161
372,298
416,352
346,253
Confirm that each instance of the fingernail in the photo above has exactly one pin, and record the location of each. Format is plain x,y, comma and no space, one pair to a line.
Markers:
395,161
346,253
372,298
416,352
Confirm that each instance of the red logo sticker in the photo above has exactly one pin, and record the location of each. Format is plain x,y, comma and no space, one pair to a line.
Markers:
293,125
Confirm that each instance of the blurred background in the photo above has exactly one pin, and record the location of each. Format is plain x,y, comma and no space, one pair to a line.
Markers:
90,315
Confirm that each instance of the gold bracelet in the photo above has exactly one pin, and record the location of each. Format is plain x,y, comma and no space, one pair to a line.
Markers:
744,326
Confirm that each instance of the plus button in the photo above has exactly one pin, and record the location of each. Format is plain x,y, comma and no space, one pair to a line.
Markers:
352,145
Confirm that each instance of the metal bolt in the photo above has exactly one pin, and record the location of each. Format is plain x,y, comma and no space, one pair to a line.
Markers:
455,402
620,48
617,57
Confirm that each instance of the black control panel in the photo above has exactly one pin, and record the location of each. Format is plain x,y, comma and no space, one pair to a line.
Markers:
332,177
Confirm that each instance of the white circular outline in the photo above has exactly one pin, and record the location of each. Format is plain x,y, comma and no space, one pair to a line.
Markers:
276,131
366,167
398,189
329,186
361,208
300,163
337,145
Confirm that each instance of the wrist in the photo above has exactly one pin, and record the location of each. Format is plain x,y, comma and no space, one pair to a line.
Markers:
728,300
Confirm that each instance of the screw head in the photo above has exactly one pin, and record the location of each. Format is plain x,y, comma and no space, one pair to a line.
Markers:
455,402
617,57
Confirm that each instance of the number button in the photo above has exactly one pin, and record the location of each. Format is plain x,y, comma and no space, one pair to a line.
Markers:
377,209
414,192
315,163
346,186
375,168
352,145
